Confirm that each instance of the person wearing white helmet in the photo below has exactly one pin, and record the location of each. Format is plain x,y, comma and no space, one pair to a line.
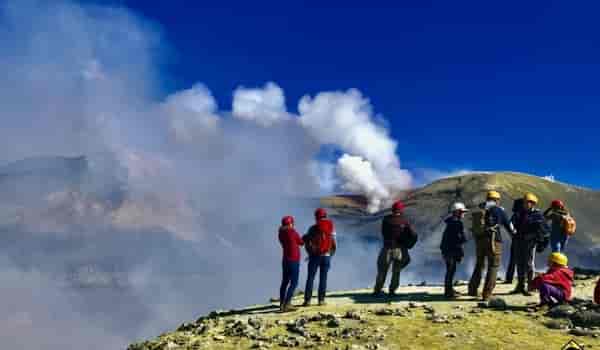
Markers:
451,246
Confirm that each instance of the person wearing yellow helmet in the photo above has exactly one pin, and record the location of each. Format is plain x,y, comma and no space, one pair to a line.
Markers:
488,243
556,284
533,234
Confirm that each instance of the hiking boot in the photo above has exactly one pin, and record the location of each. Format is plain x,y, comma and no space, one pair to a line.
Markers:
450,295
391,294
473,294
288,308
306,303
378,294
322,302
526,293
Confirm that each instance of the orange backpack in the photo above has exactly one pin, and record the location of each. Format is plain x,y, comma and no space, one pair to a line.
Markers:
569,225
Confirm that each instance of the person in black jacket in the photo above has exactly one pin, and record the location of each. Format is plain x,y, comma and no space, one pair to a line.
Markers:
533,234
452,246
398,237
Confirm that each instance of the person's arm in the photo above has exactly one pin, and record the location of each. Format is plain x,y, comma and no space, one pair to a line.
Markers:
333,242
508,225
299,239
548,214
597,292
463,236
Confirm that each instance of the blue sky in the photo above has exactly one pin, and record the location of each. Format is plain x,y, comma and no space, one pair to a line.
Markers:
464,85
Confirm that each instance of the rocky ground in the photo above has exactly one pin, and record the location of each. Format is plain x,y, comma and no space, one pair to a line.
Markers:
418,318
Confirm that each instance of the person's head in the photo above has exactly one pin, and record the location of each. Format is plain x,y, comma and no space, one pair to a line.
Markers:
493,196
557,204
398,207
558,260
531,200
320,214
287,221
459,209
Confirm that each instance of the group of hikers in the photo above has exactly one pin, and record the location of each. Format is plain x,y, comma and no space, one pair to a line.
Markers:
530,229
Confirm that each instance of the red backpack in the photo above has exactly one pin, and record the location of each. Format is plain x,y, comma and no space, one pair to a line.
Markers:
319,240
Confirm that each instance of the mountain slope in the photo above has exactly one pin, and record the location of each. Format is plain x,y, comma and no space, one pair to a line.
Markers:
427,206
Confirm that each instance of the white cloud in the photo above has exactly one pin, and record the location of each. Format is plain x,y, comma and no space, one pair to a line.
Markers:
264,106
192,114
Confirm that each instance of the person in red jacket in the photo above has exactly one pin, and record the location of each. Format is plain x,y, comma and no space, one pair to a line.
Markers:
556,284
597,293
290,243
321,246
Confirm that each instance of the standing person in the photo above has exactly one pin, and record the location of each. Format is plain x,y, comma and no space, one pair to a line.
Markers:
488,243
451,246
556,284
518,209
597,292
557,214
290,243
398,238
321,246
532,235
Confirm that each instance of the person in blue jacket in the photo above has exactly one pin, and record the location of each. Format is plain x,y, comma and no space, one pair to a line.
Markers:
451,246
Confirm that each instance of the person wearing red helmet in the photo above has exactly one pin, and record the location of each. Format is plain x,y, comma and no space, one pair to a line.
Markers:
290,242
556,215
320,245
398,238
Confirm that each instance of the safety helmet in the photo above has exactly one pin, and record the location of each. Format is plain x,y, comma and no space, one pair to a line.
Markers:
320,213
287,221
558,204
558,259
458,206
530,197
398,206
495,195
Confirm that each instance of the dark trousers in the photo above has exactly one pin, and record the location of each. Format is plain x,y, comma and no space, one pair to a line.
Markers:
398,258
524,254
558,241
289,281
551,295
321,263
512,264
490,253
451,263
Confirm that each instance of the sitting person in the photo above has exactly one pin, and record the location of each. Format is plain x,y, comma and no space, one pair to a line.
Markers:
555,285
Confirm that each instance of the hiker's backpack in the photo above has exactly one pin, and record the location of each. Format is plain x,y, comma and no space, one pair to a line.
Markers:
478,223
569,225
319,240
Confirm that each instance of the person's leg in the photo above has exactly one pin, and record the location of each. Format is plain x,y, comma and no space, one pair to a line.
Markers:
397,263
383,264
510,270
530,265
555,241
285,280
477,271
551,295
493,259
294,272
521,260
324,266
313,264
449,279
563,242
